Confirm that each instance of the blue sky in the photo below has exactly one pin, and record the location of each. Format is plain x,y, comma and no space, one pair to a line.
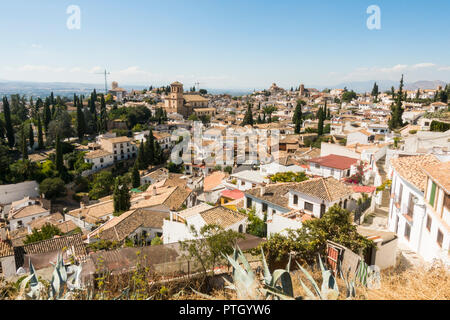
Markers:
225,44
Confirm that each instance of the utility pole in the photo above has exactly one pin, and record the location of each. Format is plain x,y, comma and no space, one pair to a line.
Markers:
105,73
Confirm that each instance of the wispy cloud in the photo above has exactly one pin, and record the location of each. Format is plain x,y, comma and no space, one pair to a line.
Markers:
418,71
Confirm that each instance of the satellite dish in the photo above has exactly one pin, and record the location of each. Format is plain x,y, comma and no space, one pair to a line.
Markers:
21,271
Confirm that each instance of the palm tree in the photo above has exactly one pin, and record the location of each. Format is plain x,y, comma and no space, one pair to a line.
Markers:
269,110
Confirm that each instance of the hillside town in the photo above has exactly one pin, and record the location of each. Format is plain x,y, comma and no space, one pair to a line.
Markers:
160,169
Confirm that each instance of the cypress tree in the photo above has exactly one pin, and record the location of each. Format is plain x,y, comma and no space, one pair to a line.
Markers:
149,150
59,155
47,114
103,115
141,158
320,123
248,118
81,124
40,137
136,179
2,130
8,125
31,136
297,118
158,156
23,144
121,196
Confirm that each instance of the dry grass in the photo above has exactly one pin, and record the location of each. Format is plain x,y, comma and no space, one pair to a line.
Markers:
413,284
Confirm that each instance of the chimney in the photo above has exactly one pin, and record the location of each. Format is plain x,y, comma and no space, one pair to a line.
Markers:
3,234
154,191
263,189
82,205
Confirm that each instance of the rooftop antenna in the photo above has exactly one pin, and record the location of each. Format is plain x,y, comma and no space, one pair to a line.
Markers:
106,82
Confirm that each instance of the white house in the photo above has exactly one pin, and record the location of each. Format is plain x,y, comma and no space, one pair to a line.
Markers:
419,206
247,179
100,159
281,223
313,197
275,167
24,214
332,166
178,227
361,136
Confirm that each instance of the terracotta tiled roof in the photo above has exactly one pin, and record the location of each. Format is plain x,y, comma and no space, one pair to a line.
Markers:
222,216
40,222
28,211
328,189
213,180
73,242
94,212
335,161
97,154
277,194
440,174
411,168
6,249
233,194
119,228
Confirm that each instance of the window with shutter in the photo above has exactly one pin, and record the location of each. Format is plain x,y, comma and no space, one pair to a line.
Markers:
433,194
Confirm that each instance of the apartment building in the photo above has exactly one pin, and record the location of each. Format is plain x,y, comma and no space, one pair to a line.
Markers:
419,206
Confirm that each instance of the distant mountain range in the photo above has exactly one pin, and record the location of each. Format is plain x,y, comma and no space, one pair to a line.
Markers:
385,85
43,89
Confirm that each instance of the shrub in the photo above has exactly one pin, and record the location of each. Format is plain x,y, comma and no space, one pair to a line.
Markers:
52,187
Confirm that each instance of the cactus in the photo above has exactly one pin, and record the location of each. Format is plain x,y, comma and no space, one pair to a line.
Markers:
58,285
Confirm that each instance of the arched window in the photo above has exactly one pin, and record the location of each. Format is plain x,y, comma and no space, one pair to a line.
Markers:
241,229
345,204
295,199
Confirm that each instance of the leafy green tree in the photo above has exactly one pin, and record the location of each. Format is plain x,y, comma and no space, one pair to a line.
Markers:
48,231
52,188
210,244
349,96
121,196
256,226
8,124
335,225
269,110
61,125
102,185
289,177
156,241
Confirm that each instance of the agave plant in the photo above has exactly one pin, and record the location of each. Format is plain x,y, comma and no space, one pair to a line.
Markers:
278,285
58,285
329,289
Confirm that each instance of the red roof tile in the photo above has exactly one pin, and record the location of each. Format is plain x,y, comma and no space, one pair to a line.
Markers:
335,161
233,194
